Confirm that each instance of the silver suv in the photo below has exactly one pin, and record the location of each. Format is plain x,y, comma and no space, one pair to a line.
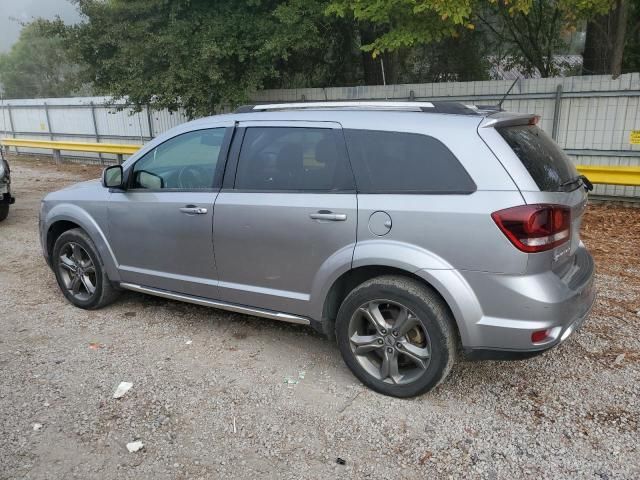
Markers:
406,231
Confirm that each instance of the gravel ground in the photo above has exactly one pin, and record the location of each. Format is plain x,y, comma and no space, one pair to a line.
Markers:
210,396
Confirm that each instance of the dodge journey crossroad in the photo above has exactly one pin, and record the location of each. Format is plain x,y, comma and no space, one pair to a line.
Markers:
409,232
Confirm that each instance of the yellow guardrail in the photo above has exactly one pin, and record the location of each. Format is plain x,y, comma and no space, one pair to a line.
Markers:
611,175
116,148
596,174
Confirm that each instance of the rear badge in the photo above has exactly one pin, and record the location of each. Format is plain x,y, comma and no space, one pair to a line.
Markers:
558,254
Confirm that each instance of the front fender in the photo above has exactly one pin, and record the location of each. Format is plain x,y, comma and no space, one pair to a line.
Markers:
76,214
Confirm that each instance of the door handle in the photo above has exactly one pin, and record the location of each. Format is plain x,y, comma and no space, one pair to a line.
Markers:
329,216
193,210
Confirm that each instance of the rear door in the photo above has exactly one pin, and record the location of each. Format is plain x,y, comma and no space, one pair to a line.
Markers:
286,215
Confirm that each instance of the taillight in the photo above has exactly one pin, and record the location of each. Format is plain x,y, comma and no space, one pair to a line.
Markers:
535,228
540,336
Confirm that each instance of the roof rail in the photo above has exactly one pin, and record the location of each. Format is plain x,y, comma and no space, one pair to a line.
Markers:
407,106
359,105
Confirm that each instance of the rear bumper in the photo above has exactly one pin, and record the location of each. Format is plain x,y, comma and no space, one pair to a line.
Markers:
514,307
505,354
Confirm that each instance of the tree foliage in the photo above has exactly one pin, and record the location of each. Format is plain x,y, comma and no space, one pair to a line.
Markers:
631,58
201,55
530,29
207,55
38,64
612,40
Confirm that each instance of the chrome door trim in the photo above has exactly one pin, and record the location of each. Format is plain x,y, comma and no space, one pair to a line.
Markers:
257,312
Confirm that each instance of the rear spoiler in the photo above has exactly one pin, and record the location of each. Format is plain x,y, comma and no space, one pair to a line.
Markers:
504,119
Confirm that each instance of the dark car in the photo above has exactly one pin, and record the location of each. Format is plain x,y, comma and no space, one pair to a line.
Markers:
5,189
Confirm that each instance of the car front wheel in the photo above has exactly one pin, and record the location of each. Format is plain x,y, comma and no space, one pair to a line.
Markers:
397,336
80,272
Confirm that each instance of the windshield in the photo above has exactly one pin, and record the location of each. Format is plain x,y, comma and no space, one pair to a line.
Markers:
545,161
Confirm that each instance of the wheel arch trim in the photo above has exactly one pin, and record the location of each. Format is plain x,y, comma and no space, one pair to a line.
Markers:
414,262
75,214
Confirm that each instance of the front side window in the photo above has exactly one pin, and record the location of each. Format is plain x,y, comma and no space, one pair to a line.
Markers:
399,162
292,159
186,162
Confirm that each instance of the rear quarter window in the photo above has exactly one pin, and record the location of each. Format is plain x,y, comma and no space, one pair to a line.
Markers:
399,162
545,161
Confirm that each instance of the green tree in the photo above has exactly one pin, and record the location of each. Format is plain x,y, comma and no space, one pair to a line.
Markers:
203,55
531,29
38,64
631,58
613,40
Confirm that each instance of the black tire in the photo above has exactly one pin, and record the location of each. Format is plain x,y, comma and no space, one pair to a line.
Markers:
105,293
4,211
433,315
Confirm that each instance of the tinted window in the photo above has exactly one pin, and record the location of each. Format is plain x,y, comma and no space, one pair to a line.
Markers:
547,164
186,162
396,162
287,158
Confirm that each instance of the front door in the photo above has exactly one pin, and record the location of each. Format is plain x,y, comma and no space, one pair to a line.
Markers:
160,227
287,216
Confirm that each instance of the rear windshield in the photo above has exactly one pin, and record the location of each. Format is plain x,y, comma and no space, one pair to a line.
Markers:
547,164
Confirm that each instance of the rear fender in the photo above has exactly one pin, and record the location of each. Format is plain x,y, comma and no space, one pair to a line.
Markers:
434,270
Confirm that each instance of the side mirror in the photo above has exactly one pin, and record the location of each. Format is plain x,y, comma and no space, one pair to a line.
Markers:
112,177
148,180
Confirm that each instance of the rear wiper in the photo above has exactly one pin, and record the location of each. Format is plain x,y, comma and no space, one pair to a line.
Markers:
584,181
568,183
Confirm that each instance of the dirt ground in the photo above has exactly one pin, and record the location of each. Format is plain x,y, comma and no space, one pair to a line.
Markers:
218,394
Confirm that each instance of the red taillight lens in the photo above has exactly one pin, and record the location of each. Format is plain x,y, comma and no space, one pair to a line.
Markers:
535,228
540,336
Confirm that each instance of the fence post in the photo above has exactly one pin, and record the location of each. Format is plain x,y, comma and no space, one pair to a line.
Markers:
56,157
119,158
46,114
95,129
557,108
13,131
149,122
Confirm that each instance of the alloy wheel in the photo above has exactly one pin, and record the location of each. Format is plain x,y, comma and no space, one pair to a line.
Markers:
389,342
77,271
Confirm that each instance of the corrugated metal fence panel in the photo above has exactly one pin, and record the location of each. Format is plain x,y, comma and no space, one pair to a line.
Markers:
596,113
32,119
112,122
163,120
72,120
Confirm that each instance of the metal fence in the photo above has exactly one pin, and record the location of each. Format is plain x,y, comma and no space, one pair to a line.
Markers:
591,117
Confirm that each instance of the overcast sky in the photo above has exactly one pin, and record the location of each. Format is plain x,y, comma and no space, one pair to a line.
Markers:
26,10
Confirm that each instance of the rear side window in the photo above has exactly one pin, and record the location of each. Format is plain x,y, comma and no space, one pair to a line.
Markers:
398,162
293,159
545,161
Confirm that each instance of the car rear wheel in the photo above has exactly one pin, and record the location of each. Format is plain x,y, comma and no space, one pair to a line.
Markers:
4,211
80,272
397,336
